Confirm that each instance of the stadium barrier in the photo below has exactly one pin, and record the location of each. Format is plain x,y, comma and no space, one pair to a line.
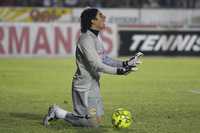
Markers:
29,32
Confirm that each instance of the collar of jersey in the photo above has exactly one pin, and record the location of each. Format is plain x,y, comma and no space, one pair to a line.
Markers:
91,33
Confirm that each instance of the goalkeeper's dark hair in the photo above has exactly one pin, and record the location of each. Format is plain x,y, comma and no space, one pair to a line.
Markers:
86,17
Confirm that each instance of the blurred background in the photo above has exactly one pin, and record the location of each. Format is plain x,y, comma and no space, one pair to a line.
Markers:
50,28
105,3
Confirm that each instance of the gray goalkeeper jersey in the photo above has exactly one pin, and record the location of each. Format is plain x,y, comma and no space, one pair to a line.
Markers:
91,61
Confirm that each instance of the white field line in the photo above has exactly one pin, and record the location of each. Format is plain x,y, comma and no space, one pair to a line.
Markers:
195,91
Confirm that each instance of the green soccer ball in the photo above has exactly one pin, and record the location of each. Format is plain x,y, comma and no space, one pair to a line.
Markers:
121,118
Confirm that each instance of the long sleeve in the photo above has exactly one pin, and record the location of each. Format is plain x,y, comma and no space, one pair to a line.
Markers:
111,62
87,47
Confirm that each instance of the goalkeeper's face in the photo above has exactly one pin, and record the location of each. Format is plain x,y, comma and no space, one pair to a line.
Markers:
99,22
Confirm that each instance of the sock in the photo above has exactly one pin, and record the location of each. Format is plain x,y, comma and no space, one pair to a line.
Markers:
61,113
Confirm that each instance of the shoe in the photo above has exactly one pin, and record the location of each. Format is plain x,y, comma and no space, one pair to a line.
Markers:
50,116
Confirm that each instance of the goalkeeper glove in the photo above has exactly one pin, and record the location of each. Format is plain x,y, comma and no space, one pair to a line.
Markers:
134,60
126,70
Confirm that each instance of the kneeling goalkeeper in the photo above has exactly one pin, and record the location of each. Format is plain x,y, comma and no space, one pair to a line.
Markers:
90,61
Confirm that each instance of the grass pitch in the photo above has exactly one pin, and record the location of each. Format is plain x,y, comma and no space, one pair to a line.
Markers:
163,95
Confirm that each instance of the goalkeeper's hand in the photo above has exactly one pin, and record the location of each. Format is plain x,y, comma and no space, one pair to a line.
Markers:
134,60
126,70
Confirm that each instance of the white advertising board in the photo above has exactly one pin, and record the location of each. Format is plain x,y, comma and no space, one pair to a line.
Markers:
47,39
164,17
120,16
157,17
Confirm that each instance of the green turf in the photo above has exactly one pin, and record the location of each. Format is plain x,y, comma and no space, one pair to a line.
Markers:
163,96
